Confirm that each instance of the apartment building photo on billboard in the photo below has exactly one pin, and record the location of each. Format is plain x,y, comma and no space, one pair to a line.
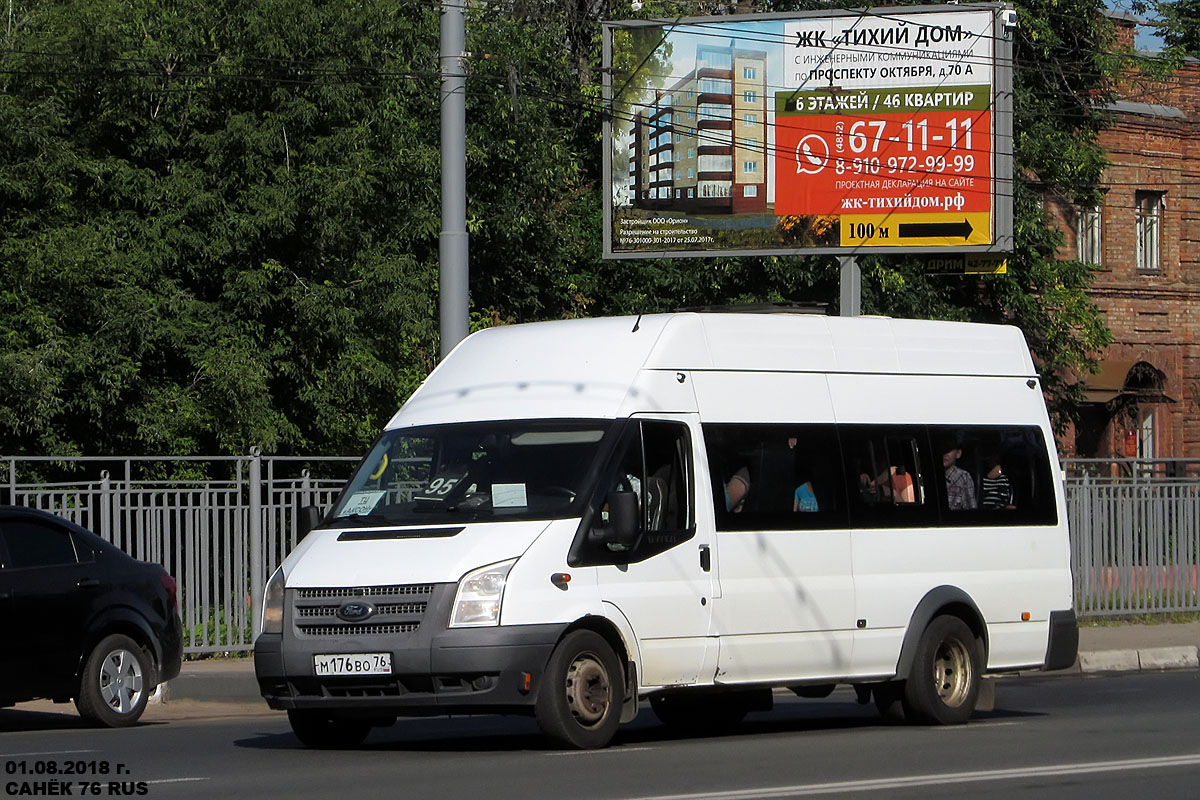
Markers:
835,131
702,144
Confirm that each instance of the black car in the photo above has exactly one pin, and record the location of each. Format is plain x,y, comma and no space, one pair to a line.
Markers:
81,620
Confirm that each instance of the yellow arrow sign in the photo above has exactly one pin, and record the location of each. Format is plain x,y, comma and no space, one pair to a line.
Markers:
949,229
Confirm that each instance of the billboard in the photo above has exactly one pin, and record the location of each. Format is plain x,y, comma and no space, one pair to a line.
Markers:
847,132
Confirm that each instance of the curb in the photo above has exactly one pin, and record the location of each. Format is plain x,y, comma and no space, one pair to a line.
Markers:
1149,659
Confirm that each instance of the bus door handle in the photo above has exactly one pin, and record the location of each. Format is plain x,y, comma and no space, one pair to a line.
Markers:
705,558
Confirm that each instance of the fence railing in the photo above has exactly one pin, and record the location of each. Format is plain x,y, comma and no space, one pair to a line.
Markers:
221,525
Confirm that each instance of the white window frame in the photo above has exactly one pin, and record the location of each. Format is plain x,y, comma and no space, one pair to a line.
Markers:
1149,213
1146,447
1088,234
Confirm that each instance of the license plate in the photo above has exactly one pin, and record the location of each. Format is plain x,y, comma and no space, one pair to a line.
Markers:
353,664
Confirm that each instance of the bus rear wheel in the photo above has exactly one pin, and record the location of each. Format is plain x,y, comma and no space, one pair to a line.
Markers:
943,685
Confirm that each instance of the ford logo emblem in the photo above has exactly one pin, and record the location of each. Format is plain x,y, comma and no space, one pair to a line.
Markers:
355,611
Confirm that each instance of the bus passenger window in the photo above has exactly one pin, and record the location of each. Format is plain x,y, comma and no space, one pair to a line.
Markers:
960,486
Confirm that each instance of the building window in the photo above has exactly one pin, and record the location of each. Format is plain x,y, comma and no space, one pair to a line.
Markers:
715,163
1087,234
692,112
714,58
715,189
750,166
677,175
691,193
678,193
716,86
691,173
1145,447
749,73
691,152
750,119
750,141
678,138
1149,226
750,96
750,190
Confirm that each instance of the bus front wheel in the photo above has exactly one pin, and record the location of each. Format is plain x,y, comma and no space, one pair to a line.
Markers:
579,703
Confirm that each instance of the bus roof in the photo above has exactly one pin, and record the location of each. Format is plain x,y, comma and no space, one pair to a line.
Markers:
587,368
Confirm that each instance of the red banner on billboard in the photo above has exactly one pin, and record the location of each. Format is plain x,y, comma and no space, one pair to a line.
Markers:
833,164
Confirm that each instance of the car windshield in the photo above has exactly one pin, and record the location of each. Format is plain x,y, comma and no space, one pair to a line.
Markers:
472,471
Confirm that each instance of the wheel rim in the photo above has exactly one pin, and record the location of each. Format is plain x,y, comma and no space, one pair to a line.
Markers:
953,672
121,681
588,689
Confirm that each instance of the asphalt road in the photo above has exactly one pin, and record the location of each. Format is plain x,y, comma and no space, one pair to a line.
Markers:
1132,735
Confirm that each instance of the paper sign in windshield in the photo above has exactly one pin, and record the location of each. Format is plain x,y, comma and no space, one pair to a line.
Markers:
361,503
508,495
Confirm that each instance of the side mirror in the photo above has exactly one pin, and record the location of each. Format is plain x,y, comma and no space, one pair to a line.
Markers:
306,519
622,527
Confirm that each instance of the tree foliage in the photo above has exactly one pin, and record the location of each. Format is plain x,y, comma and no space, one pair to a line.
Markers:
1181,25
219,221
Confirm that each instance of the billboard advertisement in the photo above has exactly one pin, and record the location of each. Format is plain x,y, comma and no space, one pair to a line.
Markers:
843,132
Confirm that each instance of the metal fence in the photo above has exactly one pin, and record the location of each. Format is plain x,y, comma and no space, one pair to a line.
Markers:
1135,535
221,525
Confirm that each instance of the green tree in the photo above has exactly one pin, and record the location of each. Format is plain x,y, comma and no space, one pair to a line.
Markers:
1181,25
219,221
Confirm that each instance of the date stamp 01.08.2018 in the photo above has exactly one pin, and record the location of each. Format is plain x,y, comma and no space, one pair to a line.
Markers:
70,778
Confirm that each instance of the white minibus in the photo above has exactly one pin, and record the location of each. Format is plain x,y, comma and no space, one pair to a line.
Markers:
698,509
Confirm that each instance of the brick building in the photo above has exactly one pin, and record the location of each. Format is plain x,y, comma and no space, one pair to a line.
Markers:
1145,238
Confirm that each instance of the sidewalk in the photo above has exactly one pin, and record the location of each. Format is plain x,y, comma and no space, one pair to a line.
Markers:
1132,647
221,687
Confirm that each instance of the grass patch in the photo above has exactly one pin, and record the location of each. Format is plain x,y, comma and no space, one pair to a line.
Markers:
1159,618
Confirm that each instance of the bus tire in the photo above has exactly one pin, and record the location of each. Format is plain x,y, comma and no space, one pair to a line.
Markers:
579,703
889,700
943,684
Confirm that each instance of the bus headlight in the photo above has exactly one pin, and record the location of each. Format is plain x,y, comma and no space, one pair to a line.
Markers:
479,596
272,610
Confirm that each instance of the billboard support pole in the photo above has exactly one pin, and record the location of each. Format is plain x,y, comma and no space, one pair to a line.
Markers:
453,293
851,286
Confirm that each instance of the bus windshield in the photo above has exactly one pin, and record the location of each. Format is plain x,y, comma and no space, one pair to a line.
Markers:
526,469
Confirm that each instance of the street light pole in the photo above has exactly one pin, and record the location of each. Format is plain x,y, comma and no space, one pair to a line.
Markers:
453,271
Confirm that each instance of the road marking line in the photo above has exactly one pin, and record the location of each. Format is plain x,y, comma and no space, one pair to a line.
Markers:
901,782
973,726
176,780
599,752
